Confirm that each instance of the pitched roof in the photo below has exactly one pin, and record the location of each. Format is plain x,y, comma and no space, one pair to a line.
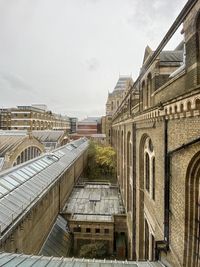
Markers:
48,135
122,83
20,186
171,56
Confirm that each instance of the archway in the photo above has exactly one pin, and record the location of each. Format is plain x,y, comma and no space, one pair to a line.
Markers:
192,213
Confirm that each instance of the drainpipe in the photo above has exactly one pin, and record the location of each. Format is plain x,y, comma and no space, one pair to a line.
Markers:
163,245
134,191
167,184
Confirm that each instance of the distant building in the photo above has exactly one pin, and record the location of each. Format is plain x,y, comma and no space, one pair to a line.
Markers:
114,100
73,124
51,139
17,147
32,118
89,126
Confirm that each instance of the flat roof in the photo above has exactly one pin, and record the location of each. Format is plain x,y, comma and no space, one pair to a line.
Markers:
94,202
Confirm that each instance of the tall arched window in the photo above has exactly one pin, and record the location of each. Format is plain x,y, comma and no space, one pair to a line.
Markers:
143,95
153,178
128,173
198,36
149,167
192,216
149,89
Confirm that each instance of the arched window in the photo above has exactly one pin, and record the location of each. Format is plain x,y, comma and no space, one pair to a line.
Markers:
143,95
192,216
149,167
189,106
197,103
153,178
112,105
149,89
198,37
128,173
182,108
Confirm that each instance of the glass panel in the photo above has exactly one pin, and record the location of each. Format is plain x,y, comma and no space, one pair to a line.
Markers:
18,176
12,205
43,164
23,174
3,190
15,198
11,180
29,190
23,194
6,210
30,170
6,184
36,167
48,161
27,172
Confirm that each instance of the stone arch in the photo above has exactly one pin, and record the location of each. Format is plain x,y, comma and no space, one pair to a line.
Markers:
21,152
192,213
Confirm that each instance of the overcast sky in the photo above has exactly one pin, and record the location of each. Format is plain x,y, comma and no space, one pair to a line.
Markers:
69,53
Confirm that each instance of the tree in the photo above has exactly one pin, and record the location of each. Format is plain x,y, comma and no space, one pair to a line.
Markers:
101,160
93,250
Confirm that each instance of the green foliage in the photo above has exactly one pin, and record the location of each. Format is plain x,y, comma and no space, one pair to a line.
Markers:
93,250
101,161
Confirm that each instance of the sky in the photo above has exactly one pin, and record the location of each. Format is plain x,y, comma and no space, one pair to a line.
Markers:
68,54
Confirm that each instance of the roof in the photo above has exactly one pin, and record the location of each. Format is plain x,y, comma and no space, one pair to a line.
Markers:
22,185
98,135
122,83
48,135
91,119
171,56
59,241
94,202
9,142
12,259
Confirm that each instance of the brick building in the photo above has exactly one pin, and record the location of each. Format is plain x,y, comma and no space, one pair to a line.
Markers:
156,133
35,117
114,100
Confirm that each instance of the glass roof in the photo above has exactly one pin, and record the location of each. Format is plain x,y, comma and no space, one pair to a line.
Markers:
11,259
21,185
